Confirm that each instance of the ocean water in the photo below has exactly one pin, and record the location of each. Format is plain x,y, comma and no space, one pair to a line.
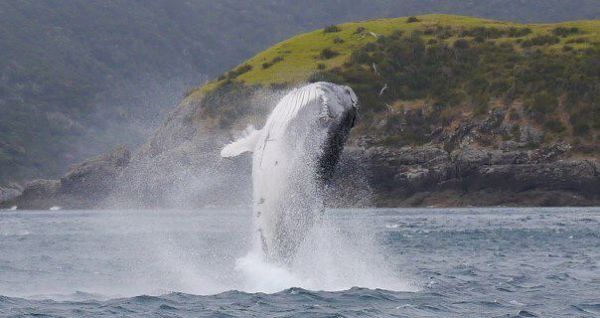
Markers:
496,262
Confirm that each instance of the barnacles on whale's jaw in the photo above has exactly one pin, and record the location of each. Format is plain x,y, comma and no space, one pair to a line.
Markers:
325,114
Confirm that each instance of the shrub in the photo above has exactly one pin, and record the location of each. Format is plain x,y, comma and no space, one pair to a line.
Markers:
338,40
540,40
359,57
328,53
273,61
331,29
579,121
484,32
480,109
360,30
513,114
440,32
499,86
370,47
412,20
577,40
239,71
461,44
518,32
396,34
564,32
554,126
515,131
541,104
581,129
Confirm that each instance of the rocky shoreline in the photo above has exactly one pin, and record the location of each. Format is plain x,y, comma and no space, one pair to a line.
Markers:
469,165
470,176
421,176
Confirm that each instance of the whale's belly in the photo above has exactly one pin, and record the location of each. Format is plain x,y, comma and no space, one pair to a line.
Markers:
286,193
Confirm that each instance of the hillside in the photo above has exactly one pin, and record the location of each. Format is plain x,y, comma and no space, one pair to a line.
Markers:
454,111
90,75
448,68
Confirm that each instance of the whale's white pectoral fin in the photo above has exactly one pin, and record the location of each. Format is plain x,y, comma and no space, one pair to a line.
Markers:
246,143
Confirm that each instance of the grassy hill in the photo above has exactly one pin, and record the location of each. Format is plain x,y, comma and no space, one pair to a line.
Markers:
417,75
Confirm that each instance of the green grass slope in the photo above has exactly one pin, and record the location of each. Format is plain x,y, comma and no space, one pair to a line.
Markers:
298,57
443,69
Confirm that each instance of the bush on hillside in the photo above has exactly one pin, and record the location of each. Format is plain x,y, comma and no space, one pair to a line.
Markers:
331,29
564,32
541,40
328,53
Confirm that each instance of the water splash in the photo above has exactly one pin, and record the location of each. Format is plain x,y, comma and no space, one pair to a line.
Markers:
330,258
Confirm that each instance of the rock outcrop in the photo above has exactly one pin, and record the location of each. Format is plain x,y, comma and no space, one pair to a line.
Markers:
10,192
85,185
428,175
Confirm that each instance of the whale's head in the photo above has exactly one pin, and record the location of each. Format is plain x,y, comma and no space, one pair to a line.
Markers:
339,108
338,103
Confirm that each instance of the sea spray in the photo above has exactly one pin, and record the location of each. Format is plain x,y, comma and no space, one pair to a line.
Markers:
332,257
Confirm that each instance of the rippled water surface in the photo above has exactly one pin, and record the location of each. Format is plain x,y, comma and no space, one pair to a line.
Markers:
402,263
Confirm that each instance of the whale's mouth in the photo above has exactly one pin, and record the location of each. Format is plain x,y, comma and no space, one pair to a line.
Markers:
325,113
327,116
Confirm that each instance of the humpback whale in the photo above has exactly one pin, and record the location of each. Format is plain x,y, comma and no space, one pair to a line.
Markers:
294,157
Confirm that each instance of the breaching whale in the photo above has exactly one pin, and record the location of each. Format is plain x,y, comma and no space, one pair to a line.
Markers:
294,156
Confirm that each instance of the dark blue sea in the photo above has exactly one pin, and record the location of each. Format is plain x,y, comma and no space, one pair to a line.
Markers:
493,262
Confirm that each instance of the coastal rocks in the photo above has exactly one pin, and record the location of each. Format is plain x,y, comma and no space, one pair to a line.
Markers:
95,178
10,191
37,193
84,186
472,175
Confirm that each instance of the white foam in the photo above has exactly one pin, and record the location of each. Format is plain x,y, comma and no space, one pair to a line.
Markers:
328,260
261,276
